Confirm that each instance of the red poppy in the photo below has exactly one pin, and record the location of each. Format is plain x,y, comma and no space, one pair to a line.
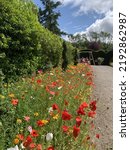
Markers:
54,84
84,105
65,128
34,133
97,136
89,83
92,125
91,114
50,148
80,111
14,102
76,131
47,88
78,121
55,107
66,102
88,137
88,73
93,105
39,81
40,123
27,141
66,115
21,137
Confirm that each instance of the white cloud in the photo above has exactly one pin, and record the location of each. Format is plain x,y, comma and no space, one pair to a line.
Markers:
104,7
85,6
105,24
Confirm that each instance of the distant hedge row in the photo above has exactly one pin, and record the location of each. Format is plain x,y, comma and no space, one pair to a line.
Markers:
27,45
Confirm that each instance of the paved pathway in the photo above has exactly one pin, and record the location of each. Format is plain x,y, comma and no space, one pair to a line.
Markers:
103,92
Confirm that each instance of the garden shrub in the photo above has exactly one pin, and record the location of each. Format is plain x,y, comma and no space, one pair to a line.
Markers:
19,39
64,57
70,52
28,46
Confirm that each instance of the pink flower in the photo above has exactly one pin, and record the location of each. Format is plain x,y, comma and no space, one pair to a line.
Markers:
39,147
30,129
40,71
52,92
27,118
78,121
32,145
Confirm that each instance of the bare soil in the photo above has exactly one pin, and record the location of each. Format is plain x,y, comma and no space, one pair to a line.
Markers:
103,93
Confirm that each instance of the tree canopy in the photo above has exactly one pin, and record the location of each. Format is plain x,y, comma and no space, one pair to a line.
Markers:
48,17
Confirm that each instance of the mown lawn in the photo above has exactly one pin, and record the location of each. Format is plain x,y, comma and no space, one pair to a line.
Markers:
49,111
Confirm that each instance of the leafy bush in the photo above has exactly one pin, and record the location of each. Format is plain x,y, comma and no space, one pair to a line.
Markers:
2,56
28,46
19,39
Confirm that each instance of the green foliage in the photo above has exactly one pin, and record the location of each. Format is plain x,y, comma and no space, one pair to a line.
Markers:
95,41
48,17
64,57
19,40
75,56
27,45
70,52
2,56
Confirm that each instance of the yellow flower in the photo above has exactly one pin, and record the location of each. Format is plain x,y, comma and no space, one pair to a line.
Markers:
2,97
11,95
16,141
70,131
19,121
36,114
44,122
56,117
5,85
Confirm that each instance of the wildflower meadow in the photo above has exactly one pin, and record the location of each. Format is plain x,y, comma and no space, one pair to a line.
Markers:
51,110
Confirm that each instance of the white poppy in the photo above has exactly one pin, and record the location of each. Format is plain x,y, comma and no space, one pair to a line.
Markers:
60,87
22,146
13,148
49,136
50,109
51,74
83,75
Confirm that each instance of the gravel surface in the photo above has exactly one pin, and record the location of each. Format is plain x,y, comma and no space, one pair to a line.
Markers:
103,93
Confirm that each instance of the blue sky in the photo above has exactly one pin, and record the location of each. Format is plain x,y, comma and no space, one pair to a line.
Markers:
85,16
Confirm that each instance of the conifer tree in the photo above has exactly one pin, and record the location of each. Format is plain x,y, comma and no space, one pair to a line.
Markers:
48,17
